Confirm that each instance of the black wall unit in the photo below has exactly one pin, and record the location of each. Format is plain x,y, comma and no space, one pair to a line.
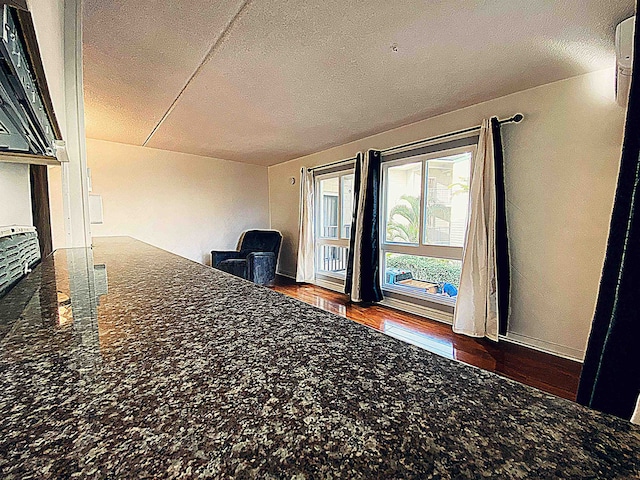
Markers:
26,123
19,251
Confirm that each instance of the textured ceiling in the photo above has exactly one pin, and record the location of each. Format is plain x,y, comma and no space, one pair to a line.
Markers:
265,81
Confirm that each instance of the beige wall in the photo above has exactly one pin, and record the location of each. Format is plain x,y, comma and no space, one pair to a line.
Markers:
561,169
183,203
15,194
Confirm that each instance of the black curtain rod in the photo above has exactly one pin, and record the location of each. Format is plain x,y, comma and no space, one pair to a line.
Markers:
517,118
333,164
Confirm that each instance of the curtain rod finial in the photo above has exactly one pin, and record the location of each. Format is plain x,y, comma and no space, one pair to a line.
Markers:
518,117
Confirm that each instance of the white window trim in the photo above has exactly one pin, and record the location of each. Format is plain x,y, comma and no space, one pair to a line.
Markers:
408,292
419,249
320,241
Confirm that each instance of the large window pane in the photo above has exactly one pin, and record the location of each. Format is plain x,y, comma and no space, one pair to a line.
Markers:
347,205
447,200
332,259
415,273
403,184
329,208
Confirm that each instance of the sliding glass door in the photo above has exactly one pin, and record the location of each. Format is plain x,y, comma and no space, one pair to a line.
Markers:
334,210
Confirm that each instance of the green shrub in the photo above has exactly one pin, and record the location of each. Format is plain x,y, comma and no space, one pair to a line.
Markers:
430,269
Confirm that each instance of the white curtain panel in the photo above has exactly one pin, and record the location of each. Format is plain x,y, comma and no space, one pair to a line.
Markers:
356,288
476,312
635,418
305,271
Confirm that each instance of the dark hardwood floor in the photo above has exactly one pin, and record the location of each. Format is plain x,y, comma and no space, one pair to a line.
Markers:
541,370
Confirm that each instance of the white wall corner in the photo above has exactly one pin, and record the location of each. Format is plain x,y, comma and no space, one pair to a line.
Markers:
74,177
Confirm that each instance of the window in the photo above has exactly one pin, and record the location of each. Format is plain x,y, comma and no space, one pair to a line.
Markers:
333,228
425,207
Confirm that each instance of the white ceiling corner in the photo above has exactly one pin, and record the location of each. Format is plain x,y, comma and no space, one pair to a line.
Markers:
139,55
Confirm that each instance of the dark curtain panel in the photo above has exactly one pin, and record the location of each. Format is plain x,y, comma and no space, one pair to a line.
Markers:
348,281
40,207
503,274
370,249
365,232
610,380
21,4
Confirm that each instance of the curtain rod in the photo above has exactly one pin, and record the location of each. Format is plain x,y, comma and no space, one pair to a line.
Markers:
332,164
517,118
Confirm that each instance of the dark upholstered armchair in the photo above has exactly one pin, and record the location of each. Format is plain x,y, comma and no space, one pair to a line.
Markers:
255,261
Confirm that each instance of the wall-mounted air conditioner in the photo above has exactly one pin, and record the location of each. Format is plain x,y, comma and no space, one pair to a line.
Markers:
624,59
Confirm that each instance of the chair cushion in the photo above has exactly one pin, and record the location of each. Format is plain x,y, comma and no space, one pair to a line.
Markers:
234,267
261,241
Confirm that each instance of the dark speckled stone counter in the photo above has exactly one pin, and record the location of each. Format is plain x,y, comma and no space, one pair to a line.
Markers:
174,370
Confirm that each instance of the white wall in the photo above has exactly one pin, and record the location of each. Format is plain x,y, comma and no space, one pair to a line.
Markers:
561,166
48,21
186,204
15,195
58,29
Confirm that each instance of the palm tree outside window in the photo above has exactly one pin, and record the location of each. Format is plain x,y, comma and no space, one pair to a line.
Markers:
426,206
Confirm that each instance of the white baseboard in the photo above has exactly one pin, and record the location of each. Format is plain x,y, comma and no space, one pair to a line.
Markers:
421,310
544,346
288,275
511,337
334,287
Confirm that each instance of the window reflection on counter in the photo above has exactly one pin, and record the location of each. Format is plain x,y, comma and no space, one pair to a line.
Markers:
65,313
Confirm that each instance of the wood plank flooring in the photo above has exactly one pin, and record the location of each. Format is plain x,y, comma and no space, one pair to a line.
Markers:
549,373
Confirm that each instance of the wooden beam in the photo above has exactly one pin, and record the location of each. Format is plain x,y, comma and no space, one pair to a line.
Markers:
13,157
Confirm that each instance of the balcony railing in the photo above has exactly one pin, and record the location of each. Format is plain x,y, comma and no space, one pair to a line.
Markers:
330,232
333,259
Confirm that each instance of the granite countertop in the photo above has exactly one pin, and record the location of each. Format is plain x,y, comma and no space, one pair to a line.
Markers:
126,361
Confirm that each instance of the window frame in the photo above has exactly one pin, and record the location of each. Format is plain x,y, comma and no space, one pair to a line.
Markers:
320,241
420,249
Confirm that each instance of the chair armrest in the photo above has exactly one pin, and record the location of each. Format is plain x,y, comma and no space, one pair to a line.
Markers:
218,256
261,267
